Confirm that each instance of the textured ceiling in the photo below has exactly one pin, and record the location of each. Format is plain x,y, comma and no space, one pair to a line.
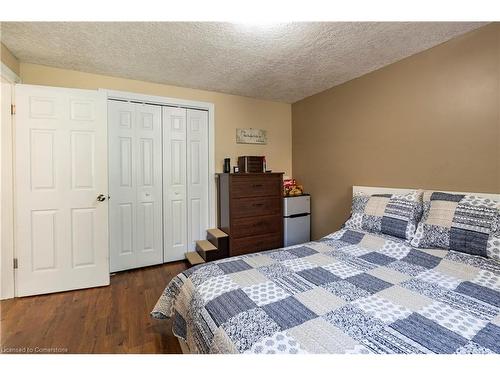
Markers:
283,62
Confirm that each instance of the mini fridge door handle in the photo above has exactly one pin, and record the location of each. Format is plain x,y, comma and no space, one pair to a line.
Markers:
298,215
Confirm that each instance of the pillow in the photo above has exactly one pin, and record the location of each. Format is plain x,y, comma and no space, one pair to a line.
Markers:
393,214
460,222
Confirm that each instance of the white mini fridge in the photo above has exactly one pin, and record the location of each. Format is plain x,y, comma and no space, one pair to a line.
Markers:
297,219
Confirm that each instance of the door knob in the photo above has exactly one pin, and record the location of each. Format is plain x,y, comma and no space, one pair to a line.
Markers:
101,198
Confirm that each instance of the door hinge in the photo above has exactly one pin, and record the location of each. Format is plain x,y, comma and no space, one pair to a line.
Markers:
12,109
15,263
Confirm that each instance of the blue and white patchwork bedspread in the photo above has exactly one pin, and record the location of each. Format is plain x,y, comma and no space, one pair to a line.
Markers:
350,292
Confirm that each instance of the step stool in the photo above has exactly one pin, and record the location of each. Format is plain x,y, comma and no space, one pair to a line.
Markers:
216,246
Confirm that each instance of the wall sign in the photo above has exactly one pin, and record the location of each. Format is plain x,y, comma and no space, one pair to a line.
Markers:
252,136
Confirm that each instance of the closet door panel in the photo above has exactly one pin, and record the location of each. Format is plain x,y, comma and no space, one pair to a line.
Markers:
135,185
197,175
122,169
174,183
149,185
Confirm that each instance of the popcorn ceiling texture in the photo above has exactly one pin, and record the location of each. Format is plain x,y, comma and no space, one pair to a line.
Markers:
282,62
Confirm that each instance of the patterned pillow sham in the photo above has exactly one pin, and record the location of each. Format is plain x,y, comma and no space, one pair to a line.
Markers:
392,214
459,222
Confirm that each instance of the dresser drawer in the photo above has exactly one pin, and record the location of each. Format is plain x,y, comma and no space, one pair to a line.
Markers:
247,245
251,186
251,226
247,207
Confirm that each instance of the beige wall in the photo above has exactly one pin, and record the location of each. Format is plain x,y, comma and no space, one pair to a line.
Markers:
9,59
231,112
431,120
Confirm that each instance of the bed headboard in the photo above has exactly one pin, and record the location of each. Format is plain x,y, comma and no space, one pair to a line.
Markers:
369,190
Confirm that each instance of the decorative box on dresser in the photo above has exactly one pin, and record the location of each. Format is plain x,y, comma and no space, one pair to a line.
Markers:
250,210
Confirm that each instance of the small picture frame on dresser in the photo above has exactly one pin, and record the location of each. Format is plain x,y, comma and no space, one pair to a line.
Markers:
236,169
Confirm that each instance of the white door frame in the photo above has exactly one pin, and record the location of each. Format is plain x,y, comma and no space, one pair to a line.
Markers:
174,102
7,281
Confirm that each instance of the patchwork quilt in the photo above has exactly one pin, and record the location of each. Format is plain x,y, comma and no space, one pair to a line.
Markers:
350,292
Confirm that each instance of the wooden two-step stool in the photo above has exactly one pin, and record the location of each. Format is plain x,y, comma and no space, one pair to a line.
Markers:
216,246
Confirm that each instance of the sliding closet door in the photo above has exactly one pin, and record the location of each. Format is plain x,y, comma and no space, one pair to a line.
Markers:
135,185
121,125
197,176
185,180
149,185
174,184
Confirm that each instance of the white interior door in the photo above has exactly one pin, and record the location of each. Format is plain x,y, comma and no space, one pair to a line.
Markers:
174,184
61,226
197,176
135,185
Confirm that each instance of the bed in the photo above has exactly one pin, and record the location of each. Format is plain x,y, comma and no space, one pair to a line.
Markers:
350,292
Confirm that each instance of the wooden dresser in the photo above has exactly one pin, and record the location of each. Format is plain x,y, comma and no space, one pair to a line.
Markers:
250,209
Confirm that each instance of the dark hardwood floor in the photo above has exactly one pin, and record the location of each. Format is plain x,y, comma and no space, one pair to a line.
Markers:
111,319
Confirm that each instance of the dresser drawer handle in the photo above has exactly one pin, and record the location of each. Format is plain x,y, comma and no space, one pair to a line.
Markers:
257,185
257,204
